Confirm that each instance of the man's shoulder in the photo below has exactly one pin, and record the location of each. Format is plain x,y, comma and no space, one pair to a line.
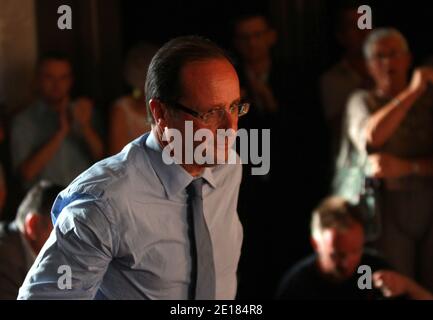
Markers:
338,69
28,120
297,277
301,270
113,174
304,266
31,110
339,74
109,182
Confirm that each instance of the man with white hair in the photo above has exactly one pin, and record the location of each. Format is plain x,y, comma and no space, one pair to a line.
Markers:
390,129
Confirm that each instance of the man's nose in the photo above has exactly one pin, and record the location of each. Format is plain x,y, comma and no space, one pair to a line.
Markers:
385,60
228,121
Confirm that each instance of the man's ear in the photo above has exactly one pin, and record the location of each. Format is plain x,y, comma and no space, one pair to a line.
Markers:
31,225
158,111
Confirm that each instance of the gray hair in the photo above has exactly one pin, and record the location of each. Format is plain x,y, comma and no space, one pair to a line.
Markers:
382,33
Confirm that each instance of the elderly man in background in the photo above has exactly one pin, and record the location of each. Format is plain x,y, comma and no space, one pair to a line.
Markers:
390,129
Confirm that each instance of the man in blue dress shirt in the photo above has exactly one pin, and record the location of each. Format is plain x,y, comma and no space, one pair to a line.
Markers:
122,228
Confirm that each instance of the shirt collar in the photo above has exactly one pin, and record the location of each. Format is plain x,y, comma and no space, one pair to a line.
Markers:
173,177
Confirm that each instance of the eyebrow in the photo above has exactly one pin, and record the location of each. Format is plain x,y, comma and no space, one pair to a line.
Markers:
219,106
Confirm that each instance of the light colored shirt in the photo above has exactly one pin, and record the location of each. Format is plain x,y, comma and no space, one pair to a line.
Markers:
32,129
411,140
122,228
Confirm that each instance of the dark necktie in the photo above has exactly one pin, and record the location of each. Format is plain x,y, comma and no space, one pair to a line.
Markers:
203,270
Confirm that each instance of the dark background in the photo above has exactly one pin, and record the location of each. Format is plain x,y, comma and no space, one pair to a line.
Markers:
104,30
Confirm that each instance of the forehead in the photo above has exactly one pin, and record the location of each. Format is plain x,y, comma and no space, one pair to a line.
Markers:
251,24
55,66
209,82
351,238
388,43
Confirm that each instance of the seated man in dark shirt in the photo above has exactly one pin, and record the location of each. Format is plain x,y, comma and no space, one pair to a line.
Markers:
22,239
333,272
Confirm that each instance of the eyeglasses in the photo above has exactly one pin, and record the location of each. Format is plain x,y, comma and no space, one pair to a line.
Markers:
391,55
215,115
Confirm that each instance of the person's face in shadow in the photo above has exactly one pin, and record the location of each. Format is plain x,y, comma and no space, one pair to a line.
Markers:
339,251
253,39
349,36
205,85
55,80
389,63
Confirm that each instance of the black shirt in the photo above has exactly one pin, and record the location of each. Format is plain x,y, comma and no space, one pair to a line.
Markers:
304,282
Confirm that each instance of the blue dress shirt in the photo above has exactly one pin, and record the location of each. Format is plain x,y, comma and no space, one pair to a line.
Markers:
121,228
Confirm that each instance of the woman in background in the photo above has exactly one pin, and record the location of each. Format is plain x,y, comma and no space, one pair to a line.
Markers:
128,116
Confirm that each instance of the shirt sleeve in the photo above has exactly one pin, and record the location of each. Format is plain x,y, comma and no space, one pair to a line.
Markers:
73,261
357,115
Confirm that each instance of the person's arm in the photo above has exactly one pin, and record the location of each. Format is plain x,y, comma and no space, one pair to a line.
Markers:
384,165
118,137
384,122
393,284
35,163
73,261
82,113
355,118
